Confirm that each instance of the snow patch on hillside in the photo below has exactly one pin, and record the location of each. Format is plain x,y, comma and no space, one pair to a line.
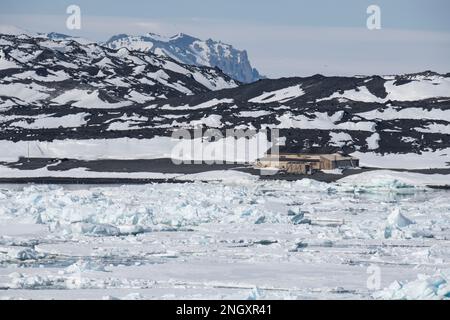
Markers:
86,99
48,122
226,149
373,141
425,160
282,95
415,90
340,139
358,94
204,105
418,89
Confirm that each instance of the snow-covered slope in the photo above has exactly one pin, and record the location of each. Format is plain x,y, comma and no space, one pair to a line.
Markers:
190,50
89,102
44,72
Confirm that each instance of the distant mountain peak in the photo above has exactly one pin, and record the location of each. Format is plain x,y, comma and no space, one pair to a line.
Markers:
15,31
64,37
180,35
57,35
113,78
191,50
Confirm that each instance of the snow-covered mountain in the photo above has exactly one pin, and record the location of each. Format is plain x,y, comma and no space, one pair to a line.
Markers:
87,101
182,48
63,37
190,50
41,72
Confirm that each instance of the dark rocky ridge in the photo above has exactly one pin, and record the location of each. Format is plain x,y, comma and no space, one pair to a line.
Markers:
167,108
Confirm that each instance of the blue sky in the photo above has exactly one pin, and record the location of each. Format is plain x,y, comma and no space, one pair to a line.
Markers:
283,37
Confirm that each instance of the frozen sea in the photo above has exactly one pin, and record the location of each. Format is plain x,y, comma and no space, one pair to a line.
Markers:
241,239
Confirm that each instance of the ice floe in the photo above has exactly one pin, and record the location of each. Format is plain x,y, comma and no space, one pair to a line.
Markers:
396,221
425,287
388,179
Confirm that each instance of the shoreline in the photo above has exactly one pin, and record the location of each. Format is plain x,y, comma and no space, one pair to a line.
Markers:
164,171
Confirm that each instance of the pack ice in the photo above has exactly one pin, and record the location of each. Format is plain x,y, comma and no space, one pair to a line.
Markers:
242,239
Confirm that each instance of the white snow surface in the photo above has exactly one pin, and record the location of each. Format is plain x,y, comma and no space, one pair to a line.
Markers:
204,105
282,95
7,64
388,178
359,94
85,99
417,89
240,239
425,287
226,149
425,160
372,141
253,114
68,121
340,139
321,121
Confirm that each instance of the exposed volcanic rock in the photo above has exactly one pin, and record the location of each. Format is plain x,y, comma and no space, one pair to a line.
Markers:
58,90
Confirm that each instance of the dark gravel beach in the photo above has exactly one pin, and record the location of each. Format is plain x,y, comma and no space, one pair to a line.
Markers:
164,166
